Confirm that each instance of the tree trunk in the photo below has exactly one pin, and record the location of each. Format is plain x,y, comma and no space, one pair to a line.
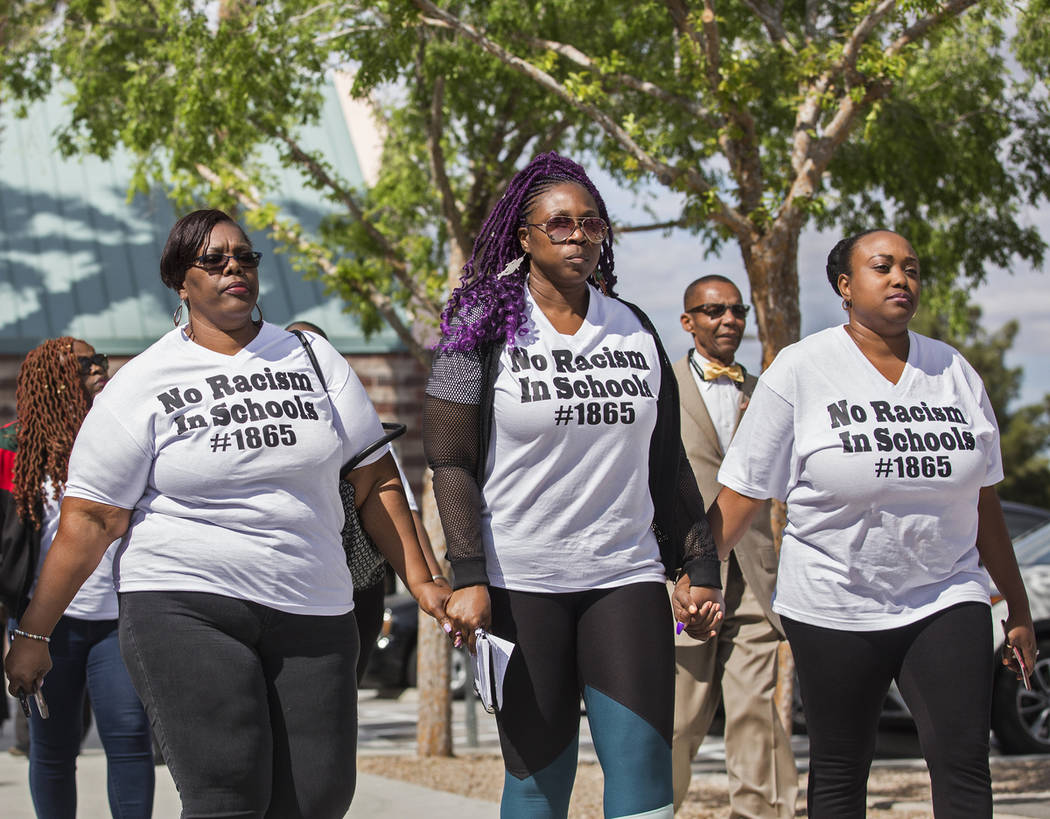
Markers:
771,260
434,725
434,720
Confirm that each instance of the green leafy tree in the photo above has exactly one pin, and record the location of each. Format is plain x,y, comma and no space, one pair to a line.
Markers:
771,115
1024,431
202,102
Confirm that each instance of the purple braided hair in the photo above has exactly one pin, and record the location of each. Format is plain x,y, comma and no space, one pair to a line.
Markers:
496,306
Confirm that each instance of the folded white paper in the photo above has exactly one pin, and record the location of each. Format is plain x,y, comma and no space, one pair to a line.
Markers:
490,668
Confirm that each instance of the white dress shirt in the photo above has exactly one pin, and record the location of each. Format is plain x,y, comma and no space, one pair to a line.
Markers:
721,397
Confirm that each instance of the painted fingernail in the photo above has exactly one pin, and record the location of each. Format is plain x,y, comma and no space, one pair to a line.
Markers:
447,627
678,628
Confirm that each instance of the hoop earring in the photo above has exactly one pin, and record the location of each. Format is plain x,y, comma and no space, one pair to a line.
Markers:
176,317
260,321
846,304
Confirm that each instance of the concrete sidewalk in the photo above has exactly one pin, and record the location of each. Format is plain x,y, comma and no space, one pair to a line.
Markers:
387,726
376,796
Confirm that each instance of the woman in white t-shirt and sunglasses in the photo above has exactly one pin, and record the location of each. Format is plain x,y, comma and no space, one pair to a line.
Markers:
885,447
551,424
215,454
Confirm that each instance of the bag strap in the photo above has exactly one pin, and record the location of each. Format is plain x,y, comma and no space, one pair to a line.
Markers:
391,430
313,359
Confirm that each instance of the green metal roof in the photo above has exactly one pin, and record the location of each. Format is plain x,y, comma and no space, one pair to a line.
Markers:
76,258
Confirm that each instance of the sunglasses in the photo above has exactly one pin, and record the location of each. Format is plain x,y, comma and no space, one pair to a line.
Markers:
218,261
96,360
715,310
559,229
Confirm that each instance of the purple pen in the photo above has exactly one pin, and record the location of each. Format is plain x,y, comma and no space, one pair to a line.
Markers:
678,627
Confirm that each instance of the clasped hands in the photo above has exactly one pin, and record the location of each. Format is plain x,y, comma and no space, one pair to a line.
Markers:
700,609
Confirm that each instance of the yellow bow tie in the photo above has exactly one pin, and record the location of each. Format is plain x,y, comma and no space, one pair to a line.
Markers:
711,371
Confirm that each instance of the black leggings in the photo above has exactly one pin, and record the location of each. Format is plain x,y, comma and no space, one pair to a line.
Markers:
614,647
943,666
254,708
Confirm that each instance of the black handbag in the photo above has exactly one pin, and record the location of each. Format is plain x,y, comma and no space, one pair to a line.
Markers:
367,565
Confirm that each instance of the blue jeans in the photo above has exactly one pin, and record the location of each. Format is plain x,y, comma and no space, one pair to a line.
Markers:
255,709
86,654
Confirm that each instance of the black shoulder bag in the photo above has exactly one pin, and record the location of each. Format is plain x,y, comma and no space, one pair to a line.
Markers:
367,565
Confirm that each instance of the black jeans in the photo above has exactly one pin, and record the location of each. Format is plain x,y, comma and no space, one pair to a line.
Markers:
943,666
255,709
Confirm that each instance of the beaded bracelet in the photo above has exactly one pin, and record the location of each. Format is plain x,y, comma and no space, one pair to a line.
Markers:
18,632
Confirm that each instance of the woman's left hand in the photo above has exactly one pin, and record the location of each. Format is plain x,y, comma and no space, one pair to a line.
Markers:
432,597
1021,635
699,608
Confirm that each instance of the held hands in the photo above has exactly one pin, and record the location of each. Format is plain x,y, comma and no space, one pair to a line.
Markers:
1020,635
698,608
469,608
432,598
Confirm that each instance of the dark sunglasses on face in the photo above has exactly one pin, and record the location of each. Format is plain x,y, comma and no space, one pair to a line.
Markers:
559,229
712,310
89,361
218,261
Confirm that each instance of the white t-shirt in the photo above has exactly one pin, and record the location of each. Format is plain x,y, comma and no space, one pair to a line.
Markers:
881,480
566,502
230,466
96,599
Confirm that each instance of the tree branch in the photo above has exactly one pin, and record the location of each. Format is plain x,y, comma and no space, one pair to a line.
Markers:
844,117
674,223
668,174
393,256
680,17
771,19
434,124
809,110
650,89
318,256
921,27
809,20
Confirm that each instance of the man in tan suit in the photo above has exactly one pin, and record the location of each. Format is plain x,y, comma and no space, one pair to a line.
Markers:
739,666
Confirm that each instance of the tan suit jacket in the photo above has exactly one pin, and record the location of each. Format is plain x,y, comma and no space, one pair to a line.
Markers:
754,553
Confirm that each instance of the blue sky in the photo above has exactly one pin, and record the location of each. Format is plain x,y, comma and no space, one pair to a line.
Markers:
654,269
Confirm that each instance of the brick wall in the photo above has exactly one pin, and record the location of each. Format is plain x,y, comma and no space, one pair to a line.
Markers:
395,382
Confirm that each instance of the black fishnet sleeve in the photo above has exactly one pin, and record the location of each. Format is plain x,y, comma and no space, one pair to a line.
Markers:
451,442
700,554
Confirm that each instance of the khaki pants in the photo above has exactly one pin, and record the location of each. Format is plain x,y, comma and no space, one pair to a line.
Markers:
738,667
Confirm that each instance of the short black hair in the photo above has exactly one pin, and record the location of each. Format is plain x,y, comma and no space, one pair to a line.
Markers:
308,325
185,240
711,277
838,258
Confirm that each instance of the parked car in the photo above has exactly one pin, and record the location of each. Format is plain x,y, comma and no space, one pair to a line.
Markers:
393,660
1022,518
1020,718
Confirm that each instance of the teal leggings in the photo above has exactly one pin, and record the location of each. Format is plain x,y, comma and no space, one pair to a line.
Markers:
615,648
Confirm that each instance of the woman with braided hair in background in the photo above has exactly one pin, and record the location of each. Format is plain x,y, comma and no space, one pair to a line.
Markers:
56,386
551,424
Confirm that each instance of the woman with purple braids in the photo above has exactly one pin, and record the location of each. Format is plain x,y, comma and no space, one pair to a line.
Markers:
551,424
